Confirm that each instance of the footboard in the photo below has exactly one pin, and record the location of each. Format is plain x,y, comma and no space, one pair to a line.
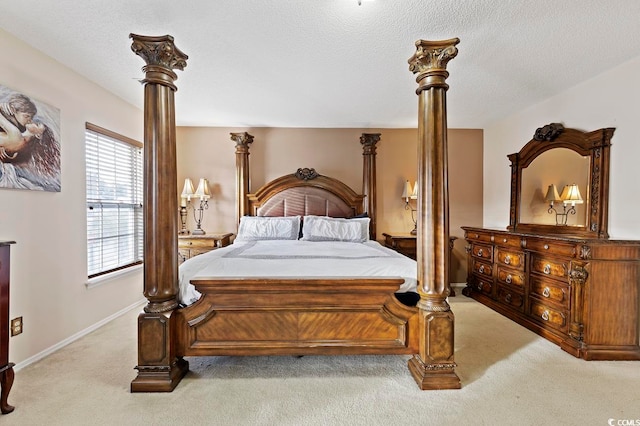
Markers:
296,316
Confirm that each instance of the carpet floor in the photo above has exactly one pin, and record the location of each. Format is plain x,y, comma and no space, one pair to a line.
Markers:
509,375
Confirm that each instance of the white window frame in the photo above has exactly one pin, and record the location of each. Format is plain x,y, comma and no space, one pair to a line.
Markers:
115,239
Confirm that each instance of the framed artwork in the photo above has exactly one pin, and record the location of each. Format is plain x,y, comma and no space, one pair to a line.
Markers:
29,143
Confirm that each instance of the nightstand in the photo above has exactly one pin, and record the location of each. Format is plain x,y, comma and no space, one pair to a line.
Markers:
402,243
406,244
193,245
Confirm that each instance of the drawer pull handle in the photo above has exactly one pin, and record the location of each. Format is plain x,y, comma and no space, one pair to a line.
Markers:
507,260
508,279
481,269
504,240
507,298
480,252
546,246
546,292
547,269
477,236
545,315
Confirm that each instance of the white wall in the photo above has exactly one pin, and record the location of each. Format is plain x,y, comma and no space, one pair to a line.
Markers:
611,99
48,263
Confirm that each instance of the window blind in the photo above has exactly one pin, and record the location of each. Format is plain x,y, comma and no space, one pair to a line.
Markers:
114,201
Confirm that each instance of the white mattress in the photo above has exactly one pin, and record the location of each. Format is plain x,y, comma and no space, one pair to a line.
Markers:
290,258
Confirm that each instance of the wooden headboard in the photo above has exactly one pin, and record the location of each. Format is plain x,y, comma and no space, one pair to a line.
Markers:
306,192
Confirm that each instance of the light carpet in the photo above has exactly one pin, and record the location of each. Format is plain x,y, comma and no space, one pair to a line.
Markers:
509,376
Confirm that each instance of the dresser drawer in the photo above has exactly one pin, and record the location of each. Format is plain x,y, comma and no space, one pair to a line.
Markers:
483,252
557,268
509,297
511,277
482,285
550,290
483,268
508,241
514,259
555,318
478,236
552,247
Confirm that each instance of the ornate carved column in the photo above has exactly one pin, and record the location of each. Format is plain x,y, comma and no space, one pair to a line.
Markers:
158,367
369,141
433,367
242,140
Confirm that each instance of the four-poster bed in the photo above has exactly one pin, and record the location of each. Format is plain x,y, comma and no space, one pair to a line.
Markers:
294,315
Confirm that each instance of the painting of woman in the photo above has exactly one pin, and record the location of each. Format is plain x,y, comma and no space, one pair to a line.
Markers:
29,143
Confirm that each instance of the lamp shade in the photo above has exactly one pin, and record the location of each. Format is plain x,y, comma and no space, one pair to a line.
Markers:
187,190
571,195
552,194
407,192
414,193
203,189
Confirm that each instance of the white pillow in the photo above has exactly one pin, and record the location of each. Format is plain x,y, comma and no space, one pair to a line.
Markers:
323,228
254,228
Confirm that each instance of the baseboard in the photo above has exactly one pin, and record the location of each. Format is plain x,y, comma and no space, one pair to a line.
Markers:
78,335
457,287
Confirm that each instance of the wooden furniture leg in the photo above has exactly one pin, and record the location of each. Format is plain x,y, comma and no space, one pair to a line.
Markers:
6,381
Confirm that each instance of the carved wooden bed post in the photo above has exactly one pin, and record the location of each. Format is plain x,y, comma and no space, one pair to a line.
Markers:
369,141
159,369
433,367
242,140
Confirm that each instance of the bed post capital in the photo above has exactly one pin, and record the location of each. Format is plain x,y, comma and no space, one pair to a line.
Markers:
430,62
161,56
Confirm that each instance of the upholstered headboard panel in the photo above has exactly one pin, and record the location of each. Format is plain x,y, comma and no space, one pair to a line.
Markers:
305,201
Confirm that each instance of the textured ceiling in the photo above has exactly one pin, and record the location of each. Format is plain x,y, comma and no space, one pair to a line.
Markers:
332,63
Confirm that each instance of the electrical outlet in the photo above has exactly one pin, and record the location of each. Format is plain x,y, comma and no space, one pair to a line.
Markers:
16,326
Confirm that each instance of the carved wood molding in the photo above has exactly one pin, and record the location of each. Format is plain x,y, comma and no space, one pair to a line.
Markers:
306,173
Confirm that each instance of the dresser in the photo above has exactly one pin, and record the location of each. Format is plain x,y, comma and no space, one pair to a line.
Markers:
580,293
193,245
6,367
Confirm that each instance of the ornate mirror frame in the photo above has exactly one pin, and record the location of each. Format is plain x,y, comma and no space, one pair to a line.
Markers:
596,146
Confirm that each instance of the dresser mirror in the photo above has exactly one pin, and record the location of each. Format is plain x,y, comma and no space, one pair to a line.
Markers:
560,183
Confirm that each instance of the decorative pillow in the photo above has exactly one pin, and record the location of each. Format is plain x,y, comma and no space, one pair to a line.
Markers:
323,228
254,228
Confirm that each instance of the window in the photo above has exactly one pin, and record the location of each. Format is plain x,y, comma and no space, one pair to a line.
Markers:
114,201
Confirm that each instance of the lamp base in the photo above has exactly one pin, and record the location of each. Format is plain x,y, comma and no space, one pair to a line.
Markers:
198,232
414,231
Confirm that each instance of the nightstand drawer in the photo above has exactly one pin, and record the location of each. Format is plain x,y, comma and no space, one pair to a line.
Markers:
197,244
193,245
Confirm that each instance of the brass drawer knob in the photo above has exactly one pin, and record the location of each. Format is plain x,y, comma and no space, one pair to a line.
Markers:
547,269
507,260
545,315
507,298
480,252
508,279
546,292
481,269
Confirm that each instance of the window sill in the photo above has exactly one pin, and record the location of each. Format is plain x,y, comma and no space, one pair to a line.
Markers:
102,279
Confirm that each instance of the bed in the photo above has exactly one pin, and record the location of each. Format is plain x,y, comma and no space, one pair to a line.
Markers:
262,314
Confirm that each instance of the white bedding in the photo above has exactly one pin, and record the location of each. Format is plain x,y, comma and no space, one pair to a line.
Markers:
296,258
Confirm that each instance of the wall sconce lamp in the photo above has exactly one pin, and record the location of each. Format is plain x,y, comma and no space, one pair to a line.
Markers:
570,197
185,200
203,193
411,194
